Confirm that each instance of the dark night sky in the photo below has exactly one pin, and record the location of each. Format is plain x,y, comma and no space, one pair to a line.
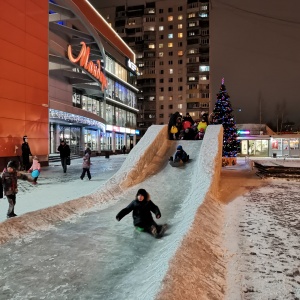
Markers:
255,46
258,55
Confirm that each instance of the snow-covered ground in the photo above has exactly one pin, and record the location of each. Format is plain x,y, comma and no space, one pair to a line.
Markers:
55,187
92,256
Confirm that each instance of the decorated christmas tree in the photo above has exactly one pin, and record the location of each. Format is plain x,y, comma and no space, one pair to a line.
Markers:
222,114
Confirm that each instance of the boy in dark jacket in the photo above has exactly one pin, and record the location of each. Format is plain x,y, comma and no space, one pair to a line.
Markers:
10,187
141,209
181,155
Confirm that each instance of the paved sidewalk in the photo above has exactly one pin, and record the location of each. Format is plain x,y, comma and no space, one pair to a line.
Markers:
56,187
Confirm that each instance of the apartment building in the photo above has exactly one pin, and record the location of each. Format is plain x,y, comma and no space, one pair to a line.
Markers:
171,43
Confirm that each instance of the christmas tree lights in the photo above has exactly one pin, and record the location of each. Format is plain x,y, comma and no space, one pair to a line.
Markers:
223,114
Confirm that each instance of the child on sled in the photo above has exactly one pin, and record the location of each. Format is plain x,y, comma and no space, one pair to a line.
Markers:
141,209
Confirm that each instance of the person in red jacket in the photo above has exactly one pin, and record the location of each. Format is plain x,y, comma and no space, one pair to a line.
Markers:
141,209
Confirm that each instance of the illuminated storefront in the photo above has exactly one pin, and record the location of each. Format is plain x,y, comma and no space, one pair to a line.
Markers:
95,85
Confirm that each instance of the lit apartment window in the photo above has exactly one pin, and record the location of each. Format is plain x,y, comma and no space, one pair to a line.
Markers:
192,15
179,26
171,71
160,45
170,35
170,98
192,24
149,28
203,15
160,54
203,77
191,33
192,51
204,68
141,65
180,53
170,18
179,106
161,28
161,98
203,7
151,46
180,17
180,35
192,78
170,45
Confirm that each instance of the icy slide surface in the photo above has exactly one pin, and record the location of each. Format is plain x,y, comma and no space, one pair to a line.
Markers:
96,257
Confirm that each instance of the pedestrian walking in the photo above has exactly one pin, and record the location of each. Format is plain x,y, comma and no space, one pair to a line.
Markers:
124,149
65,152
86,164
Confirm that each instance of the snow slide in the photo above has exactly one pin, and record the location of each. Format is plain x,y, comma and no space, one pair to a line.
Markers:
96,257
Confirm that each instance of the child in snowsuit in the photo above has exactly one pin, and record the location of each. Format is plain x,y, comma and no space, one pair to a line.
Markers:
10,187
181,154
86,164
141,209
36,166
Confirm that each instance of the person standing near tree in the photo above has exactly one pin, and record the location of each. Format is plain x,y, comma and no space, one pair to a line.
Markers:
26,153
65,152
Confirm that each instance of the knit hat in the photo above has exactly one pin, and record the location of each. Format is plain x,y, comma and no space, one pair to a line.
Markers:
24,137
179,147
142,192
12,164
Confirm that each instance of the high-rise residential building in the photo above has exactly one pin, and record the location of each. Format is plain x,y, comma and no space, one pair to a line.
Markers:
171,42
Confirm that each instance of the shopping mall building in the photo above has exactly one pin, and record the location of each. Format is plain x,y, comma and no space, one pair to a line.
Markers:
65,74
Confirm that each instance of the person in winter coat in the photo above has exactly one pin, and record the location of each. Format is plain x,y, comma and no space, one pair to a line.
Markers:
86,165
9,180
202,125
181,155
25,153
35,168
141,209
173,122
65,152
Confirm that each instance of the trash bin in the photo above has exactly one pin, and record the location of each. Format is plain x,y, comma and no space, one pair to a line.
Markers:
106,154
274,155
